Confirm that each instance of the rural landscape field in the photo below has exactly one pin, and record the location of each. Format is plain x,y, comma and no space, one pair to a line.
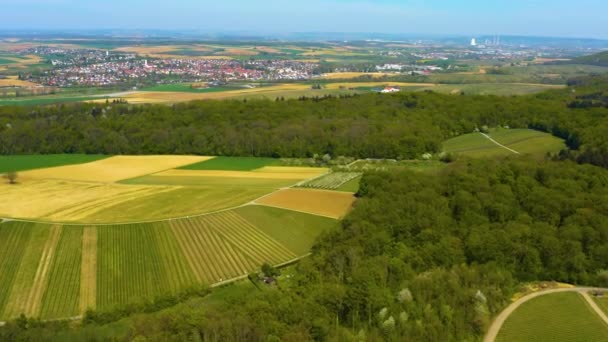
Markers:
328,170
126,229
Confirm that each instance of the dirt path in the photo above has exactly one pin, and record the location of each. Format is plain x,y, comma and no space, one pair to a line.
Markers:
500,320
499,144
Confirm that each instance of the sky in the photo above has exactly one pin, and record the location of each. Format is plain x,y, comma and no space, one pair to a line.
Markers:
556,18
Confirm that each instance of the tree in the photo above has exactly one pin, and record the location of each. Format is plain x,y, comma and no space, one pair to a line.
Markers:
269,271
11,176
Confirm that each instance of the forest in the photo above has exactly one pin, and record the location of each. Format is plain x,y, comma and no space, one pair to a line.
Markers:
400,126
421,258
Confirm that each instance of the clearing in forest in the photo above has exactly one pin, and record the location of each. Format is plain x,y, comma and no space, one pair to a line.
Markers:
524,141
331,204
554,317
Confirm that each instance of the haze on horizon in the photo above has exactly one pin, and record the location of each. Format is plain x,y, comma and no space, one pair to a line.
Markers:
557,18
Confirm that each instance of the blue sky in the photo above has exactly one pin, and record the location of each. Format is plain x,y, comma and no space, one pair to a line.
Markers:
582,18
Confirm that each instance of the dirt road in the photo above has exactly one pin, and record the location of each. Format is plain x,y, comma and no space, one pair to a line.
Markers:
500,320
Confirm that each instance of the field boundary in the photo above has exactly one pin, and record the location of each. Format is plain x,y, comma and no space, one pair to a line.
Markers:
497,324
499,144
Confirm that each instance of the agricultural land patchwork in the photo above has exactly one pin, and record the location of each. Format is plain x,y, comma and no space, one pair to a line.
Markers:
128,229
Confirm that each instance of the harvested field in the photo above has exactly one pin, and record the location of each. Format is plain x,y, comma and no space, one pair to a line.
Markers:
67,201
8,82
318,202
112,169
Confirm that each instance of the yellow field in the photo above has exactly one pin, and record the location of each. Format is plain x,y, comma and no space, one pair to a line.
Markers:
112,169
170,97
58,200
12,81
263,173
345,75
272,91
318,202
376,84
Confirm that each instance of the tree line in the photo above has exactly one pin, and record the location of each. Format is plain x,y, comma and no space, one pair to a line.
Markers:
399,126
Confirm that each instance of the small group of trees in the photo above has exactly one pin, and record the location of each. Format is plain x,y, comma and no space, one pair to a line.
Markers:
11,177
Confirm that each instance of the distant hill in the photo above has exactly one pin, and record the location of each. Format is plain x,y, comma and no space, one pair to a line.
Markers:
599,59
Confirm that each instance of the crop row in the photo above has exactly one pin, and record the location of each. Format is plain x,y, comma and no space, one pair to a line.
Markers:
331,181
58,272
61,298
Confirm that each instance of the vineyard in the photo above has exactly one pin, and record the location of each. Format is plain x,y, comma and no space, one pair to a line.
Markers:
55,271
331,181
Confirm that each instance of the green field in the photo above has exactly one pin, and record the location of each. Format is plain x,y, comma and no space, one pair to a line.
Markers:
30,162
602,302
350,186
555,317
55,271
274,221
177,203
4,61
524,141
233,164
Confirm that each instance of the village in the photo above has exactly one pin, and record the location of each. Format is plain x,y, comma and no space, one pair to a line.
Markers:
102,68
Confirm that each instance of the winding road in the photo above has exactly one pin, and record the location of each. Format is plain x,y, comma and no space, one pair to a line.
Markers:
500,320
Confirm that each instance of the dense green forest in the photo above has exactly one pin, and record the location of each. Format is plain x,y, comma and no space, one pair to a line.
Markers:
421,258
402,126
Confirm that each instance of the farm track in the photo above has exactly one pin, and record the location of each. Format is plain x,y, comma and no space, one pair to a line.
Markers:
499,144
497,324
